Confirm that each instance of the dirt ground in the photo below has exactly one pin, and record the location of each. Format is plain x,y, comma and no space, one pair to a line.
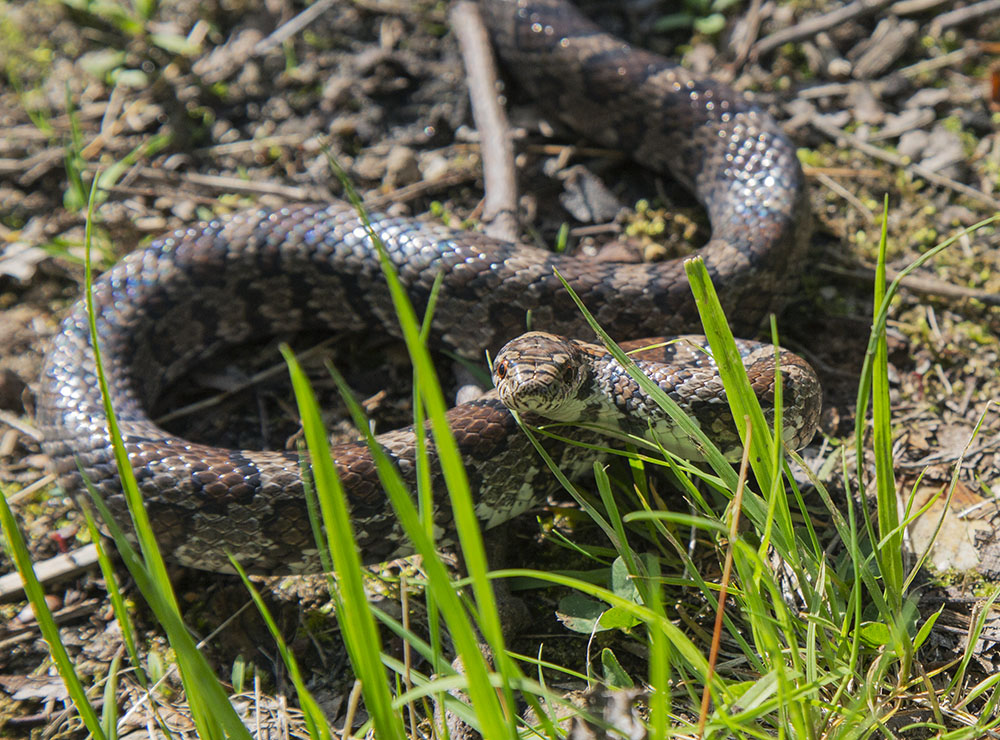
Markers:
197,111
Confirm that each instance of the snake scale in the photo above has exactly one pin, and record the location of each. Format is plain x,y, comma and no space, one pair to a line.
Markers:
266,273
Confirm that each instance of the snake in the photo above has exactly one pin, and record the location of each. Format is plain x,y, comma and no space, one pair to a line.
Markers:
204,289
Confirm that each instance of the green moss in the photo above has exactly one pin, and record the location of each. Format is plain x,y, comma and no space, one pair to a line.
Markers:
646,221
661,232
925,237
220,90
810,157
970,581
969,141
16,48
977,333
951,123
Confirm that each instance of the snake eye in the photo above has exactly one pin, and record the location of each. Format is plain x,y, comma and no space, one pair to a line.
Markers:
501,370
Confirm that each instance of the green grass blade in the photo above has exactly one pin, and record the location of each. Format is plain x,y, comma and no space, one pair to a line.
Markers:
438,582
315,516
621,538
453,472
743,404
121,613
659,661
878,328
211,711
425,489
109,712
756,507
140,521
18,553
680,641
312,714
890,546
360,632
975,631
741,397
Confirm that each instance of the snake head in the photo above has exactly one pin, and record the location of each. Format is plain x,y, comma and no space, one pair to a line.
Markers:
542,374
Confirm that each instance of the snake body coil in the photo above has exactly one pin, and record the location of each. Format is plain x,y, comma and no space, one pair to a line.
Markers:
263,273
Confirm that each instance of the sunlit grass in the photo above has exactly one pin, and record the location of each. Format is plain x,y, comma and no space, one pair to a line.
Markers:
826,641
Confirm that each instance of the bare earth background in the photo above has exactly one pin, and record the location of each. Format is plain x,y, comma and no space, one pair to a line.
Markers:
194,112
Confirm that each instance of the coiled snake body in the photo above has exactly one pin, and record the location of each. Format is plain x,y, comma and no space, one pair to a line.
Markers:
262,273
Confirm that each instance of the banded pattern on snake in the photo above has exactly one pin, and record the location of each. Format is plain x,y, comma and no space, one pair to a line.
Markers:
262,273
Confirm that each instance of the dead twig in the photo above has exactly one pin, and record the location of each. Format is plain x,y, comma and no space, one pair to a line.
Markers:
253,145
849,172
61,566
752,24
150,192
419,189
496,145
273,371
919,284
839,135
911,7
847,195
228,184
15,498
288,29
812,26
23,427
963,15
951,59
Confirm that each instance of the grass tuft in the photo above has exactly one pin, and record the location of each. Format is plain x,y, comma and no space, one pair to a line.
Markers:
18,552
804,641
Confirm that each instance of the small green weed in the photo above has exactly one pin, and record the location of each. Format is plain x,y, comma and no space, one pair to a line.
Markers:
704,16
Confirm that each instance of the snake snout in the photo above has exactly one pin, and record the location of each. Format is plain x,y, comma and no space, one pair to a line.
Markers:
537,373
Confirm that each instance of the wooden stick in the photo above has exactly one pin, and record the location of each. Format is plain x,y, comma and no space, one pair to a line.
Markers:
495,144
811,26
61,566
